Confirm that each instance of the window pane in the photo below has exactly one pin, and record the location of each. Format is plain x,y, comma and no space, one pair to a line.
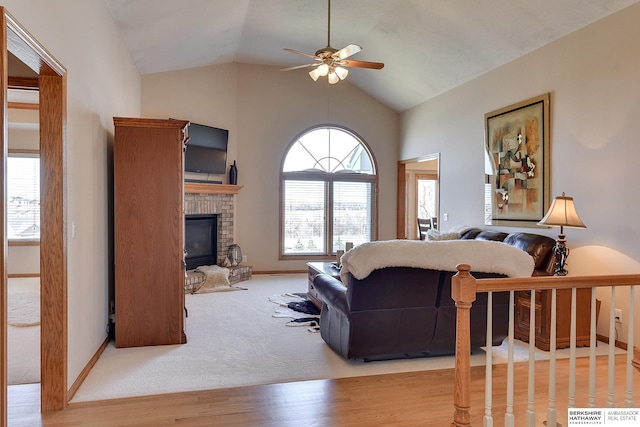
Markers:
304,213
352,215
426,198
23,198
328,150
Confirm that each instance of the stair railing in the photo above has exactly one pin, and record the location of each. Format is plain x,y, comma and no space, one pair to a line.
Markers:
464,288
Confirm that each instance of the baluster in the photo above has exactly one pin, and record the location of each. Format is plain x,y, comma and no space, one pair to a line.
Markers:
572,352
592,352
488,378
612,347
509,419
551,409
629,399
531,391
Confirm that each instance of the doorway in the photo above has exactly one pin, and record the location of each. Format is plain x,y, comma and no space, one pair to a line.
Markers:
418,194
22,205
21,50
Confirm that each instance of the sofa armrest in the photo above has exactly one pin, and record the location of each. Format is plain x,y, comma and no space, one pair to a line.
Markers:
332,292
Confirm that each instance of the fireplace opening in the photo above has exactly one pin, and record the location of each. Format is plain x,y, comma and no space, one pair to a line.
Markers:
201,240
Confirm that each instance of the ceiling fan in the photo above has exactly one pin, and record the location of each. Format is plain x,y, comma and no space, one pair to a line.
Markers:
331,62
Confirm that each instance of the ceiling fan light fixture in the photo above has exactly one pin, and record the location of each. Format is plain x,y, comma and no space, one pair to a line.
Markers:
341,72
323,69
331,62
315,74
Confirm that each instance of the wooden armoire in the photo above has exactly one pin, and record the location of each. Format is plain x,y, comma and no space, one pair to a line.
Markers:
149,231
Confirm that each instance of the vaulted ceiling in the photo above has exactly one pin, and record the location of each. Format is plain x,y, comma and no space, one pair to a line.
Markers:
428,46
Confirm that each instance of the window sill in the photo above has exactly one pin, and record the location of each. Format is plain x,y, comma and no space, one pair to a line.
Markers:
24,242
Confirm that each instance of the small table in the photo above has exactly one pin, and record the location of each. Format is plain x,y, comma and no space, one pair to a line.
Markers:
315,268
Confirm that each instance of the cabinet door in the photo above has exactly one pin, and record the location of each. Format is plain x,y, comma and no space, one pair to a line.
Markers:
523,315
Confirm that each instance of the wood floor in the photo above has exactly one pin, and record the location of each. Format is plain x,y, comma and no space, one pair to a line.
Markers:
408,399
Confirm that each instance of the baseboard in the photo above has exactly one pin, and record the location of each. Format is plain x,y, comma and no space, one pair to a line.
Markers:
78,382
619,344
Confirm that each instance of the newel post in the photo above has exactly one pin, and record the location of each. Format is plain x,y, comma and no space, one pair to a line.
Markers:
463,292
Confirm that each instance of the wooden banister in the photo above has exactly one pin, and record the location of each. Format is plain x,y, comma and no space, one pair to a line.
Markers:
558,282
463,291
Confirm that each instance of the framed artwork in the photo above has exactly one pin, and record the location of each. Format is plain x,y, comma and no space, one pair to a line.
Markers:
517,163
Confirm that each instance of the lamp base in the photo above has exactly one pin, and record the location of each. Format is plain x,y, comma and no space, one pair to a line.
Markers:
561,252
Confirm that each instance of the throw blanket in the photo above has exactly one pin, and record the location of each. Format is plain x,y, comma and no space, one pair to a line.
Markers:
481,255
216,278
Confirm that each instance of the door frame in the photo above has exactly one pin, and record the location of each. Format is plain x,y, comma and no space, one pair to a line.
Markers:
403,194
52,87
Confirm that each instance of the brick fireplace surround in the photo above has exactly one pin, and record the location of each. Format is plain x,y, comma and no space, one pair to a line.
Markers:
217,199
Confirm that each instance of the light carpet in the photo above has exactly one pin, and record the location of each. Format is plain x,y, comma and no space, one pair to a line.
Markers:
234,340
24,309
23,349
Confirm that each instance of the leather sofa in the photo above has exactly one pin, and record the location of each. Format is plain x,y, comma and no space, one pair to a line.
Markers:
539,247
406,312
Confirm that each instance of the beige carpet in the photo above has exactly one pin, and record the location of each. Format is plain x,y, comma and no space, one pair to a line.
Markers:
234,340
23,332
24,309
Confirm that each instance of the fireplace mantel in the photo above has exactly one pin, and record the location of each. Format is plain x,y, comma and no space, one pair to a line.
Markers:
202,188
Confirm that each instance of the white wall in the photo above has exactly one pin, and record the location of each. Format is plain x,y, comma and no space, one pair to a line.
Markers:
592,75
264,109
102,82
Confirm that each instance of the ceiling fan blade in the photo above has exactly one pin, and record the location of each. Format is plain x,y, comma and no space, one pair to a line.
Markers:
347,51
300,53
298,67
363,64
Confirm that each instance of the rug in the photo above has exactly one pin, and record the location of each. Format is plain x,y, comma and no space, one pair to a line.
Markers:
209,278
23,309
298,307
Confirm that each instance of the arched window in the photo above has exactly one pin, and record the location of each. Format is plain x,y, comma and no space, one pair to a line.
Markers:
328,193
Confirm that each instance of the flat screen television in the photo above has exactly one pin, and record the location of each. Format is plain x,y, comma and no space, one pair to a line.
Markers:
206,150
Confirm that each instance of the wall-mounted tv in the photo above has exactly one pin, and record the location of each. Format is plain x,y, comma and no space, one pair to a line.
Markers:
206,150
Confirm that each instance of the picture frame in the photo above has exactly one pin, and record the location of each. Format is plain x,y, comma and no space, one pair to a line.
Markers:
517,163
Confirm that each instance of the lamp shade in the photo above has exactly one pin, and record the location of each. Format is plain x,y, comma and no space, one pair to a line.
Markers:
562,213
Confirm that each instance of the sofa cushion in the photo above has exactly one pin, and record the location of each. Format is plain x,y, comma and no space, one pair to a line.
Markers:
496,236
538,246
470,233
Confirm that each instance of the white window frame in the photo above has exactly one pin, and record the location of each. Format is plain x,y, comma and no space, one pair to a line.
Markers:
329,180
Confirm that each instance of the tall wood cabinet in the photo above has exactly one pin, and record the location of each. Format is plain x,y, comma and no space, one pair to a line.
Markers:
149,231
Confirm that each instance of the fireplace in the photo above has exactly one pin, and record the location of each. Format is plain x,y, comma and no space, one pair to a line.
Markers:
201,240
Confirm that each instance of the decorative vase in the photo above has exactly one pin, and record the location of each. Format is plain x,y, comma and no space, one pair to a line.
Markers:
233,174
234,254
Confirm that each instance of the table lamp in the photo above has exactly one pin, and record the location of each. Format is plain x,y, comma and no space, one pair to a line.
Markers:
562,213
